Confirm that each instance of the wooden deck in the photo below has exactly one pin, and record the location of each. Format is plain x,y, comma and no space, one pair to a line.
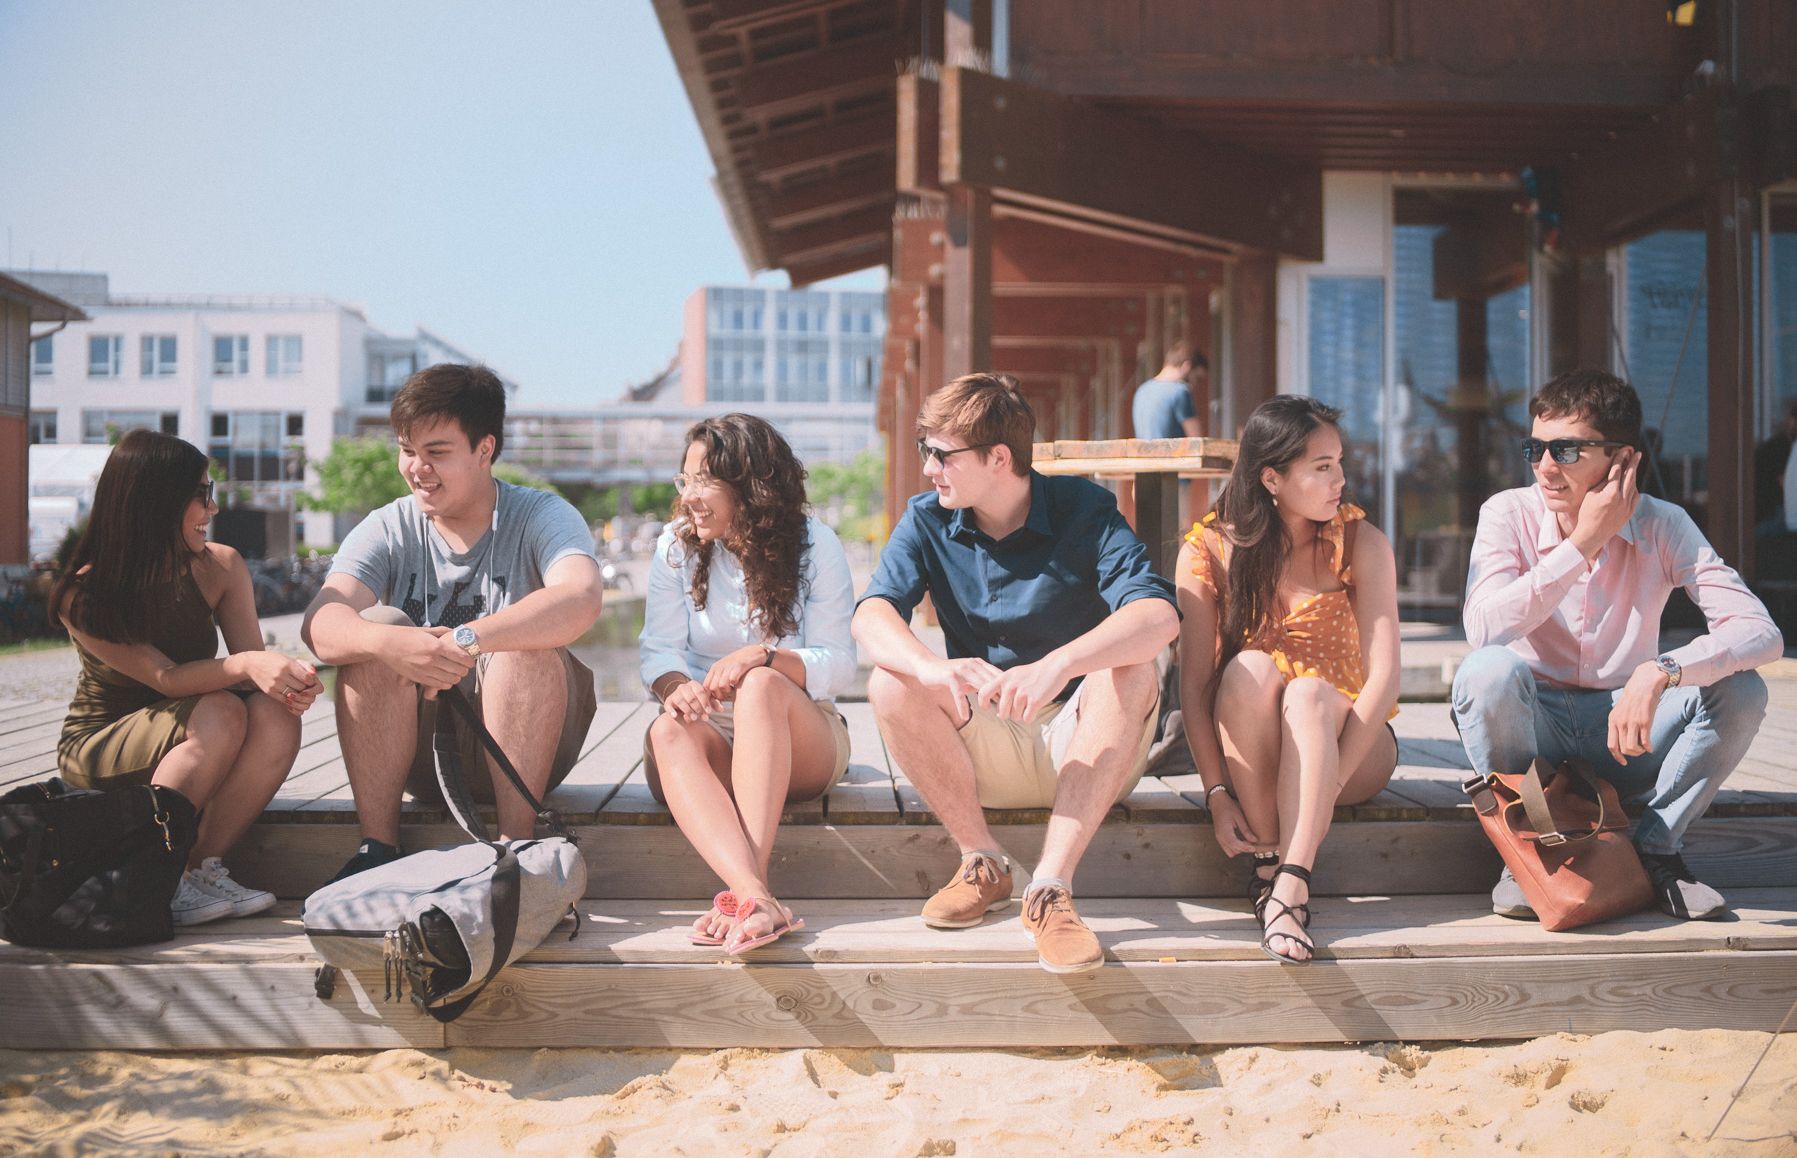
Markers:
1410,949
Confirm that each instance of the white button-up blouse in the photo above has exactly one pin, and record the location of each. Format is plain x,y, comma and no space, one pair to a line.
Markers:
679,637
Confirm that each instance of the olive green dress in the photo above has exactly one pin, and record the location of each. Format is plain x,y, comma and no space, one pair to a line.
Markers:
118,729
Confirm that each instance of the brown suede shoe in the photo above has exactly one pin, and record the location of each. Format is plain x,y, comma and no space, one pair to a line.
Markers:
1063,943
982,886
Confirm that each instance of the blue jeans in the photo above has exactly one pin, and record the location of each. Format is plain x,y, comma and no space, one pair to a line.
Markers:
1506,719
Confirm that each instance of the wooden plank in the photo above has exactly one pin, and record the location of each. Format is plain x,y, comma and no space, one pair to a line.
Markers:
867,793
812,78
774,1006
1018,140
201,1006
831,197
1153,801
26,720
842,139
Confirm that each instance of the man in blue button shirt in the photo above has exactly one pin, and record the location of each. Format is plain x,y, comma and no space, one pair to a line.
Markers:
1053,620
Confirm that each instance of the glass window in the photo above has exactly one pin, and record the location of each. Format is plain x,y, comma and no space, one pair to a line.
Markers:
43,426
1779,290
284,354
108,426
231,355
1666,348
105,355
43,358
157,355
250,445
296,426
1346,321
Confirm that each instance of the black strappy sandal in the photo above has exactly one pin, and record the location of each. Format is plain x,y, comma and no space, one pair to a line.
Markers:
1259,887
1299,913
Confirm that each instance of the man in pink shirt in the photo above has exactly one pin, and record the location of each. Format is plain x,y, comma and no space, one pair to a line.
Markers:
1563,601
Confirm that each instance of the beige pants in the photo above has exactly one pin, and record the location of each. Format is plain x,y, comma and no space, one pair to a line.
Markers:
1017,764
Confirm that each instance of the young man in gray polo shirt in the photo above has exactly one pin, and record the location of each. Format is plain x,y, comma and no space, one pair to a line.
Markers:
465,581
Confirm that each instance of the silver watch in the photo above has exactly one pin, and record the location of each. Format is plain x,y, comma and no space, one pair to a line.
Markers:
464,638
1670,666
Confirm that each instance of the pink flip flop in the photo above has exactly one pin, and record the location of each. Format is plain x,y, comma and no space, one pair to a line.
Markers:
725,903
746,906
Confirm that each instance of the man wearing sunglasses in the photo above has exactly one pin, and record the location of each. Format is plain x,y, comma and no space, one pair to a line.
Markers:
1047,699
1563,599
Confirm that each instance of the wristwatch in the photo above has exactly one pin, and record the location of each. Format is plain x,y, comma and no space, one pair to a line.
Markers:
464,638
1670,666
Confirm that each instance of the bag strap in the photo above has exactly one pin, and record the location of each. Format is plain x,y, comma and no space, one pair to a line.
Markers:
1541,817
450,772
505,892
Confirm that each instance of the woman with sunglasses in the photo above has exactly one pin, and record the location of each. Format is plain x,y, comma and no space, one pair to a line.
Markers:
1288,658
745,640
144,598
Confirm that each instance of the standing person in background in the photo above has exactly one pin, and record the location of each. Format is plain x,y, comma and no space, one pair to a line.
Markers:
1288,658
144,598
1563,600
465,581
1164,406
745,642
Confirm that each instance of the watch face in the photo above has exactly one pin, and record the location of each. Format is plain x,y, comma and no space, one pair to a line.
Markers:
464,635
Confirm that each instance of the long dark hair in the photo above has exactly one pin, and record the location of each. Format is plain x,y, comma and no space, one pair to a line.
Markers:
1276,435
133,549
748,455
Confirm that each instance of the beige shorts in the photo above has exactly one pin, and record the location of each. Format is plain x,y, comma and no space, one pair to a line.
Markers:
724,721
1017,764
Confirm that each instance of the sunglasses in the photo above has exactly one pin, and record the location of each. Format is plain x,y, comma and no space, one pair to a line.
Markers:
942,456
1564,451
692,482
203,494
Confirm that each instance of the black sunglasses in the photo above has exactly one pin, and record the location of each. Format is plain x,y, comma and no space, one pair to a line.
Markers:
203,494
1565,451
942,456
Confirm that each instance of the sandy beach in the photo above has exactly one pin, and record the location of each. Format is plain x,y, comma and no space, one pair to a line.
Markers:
1616,1093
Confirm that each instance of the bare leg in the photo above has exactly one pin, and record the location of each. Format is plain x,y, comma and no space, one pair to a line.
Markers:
693,762
523,696
1309,781
919,726
1114,704
271,742
1248,719
197,766
377,712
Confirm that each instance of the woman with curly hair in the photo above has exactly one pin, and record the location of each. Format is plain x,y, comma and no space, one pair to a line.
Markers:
745,640
145,598
1288,658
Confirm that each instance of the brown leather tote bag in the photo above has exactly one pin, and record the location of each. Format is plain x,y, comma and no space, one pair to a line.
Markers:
1565,837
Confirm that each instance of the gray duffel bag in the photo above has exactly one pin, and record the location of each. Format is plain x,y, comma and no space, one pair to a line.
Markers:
441,924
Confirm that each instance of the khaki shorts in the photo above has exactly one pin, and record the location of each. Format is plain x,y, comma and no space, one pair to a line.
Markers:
1017,764
421,779
724,721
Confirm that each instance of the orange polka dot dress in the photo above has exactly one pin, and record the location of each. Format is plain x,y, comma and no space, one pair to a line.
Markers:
1319,636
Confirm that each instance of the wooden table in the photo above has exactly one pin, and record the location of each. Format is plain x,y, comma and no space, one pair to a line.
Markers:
1155,465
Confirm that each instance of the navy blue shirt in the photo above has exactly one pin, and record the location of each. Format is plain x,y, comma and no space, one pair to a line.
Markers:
1011,601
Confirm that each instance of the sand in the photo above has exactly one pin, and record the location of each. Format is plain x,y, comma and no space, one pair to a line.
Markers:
1615,1093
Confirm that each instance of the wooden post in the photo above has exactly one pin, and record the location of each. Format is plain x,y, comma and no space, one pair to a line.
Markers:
1728,232
967,282
1471,412
1254,340
1157,519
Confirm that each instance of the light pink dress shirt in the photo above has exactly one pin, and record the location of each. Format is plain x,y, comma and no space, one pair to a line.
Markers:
1591,626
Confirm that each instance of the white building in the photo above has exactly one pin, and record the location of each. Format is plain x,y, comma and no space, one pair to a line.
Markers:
262,384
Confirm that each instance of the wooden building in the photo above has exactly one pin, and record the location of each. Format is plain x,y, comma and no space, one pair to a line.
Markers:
1417,209
20,306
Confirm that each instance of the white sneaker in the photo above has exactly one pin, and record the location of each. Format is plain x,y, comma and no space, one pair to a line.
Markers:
195,906
214,879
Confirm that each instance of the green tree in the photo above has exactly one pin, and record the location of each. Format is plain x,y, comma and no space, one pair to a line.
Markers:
358,475
848,497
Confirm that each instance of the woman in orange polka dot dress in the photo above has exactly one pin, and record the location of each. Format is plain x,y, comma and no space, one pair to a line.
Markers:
1288,657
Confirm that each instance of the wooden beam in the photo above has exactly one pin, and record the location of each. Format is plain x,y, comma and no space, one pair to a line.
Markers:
1031,253
1038,147
1078,361
736,15
1253,338
1482,256
967,282
1729,216
1628,187
919,134
832,72
1070,318
830,197
827,238
839,140
876,251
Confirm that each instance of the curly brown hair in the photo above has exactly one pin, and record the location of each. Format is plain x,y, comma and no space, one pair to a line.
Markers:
750,457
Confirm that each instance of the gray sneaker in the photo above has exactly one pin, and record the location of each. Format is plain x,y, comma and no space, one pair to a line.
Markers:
214,878
1507,899
1677,892
195,906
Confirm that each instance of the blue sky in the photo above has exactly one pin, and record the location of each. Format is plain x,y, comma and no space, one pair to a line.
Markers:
525,178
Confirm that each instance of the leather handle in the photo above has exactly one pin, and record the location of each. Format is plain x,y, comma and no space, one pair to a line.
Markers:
1541,816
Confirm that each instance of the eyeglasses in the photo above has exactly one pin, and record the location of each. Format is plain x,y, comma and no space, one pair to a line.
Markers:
692,482
1565,451
941,455
203,494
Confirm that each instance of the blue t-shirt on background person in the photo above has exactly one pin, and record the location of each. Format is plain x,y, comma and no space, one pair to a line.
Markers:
1161,407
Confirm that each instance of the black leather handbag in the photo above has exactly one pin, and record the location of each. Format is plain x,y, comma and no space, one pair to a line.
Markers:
91,870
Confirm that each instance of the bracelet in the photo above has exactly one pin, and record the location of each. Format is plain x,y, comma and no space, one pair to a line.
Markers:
1216,788
769,661
663,696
